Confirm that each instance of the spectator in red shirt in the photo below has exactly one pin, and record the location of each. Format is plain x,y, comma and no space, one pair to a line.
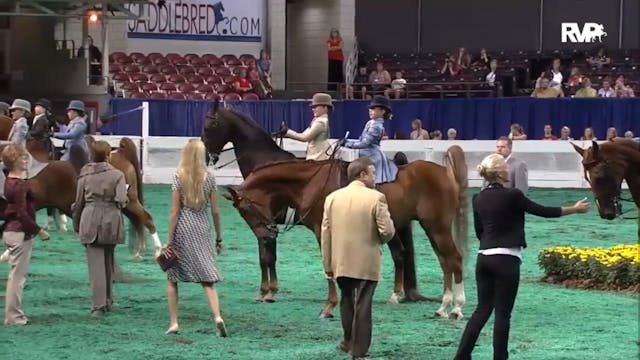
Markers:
547,133
336,59
242,84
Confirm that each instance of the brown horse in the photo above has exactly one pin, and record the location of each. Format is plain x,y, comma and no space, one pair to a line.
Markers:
434,195
605,166
125,159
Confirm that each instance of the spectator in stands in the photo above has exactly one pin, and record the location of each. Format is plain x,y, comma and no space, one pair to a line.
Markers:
492,76
463,60
606,90
264,67
599,59
565,133
380,78
452,134
397,86
544,91
586,91
518,172
575,77
336,59
556,75
242,84
418,133
483,60
588,134
361,81
612,133
95,56
548,133
254,77
517,133
622,90
450,67
436,135
628,134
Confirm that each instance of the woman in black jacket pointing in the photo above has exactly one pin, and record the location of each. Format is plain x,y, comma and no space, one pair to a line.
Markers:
498,215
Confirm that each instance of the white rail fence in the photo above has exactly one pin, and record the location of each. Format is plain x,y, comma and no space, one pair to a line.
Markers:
551,164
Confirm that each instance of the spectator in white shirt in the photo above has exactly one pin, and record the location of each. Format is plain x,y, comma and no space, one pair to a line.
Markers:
492,75
397,86
452,134
556,80
606,90
565,133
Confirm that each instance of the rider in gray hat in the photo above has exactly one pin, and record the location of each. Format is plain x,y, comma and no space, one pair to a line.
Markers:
77,129
317,133
20,109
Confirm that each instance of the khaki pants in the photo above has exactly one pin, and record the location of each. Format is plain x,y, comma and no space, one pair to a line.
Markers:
19,259
101,270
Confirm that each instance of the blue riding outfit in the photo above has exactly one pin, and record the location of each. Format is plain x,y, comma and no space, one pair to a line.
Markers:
75,132
369,144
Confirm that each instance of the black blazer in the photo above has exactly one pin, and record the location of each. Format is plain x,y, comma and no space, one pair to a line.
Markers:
498,216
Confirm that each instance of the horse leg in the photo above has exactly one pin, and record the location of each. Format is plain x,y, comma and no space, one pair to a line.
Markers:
140,218
264,271
451,263
410,282
147,221
332,300
273,275
395,246
50,218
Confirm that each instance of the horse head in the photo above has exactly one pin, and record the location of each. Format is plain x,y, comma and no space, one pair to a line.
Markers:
216,132
604,170
254,205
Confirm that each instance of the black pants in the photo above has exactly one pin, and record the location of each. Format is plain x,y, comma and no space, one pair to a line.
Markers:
498,277
355,313
335,74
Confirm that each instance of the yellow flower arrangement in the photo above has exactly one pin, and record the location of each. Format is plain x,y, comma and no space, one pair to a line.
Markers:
617,265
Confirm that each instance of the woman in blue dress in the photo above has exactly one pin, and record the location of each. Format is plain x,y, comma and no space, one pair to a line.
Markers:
369,142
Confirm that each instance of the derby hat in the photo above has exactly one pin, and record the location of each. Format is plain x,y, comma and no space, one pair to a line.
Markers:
321,99
380,101
45,103
4,107
76,105
21,104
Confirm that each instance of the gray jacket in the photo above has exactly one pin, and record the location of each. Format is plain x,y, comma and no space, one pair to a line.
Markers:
518,175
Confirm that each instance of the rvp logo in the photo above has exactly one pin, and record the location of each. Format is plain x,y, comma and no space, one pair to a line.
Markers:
590,32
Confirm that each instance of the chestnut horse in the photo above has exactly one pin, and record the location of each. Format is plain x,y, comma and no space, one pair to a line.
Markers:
605,166
434,195
125,159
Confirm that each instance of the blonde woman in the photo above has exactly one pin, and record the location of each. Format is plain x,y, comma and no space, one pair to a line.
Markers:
189,233
498,216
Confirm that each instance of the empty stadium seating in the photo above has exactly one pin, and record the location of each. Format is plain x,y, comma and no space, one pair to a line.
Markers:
174,76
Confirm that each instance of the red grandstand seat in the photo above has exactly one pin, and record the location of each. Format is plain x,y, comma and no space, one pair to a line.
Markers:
186,70
131,68
142,61
168,87
222,71
247,59
137,55
157,78
114,56
205,71
213,96
160,61
157,95
250,96
230,79
149,87
121,77
228,57
232,97
137,95
175,78
213,79
221,88
168,70
190,57
195,79
236,70
129,86
212,60
177,60
150,69
139,77
114,68
204,88
186,88
176,96
124,60
194,96
155,55
197,62
233,62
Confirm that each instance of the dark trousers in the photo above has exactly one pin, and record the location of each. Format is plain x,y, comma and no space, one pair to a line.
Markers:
335,74
498,277
355,313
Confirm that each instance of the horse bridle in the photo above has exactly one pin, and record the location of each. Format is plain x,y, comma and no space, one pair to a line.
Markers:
617,199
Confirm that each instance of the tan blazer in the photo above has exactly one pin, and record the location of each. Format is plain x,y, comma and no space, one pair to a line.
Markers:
101,195
315,136
356,223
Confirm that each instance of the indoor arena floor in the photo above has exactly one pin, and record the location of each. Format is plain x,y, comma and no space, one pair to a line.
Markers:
549,322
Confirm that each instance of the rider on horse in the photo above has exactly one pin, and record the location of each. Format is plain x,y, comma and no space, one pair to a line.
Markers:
75,131
369,141
20,109
317,133
41,124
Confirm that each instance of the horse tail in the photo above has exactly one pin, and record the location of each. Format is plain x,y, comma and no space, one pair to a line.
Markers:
130,152
400,158
457,171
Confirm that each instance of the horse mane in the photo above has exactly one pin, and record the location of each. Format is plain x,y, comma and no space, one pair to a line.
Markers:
259,170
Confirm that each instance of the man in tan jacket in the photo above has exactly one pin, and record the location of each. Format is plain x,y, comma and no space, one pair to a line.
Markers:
356,223
317,134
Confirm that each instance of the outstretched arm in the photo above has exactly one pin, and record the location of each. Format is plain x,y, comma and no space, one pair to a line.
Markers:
309,134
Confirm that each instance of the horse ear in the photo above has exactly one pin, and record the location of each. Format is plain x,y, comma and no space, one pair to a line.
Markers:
595,150
578,149
214,106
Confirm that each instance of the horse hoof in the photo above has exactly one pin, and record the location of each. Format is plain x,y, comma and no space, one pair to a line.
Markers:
63,228
456,316
441,314
325,315
137,258
268,298
260,297
394,299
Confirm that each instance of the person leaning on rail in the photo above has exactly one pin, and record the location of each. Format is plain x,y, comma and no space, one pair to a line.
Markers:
498,216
